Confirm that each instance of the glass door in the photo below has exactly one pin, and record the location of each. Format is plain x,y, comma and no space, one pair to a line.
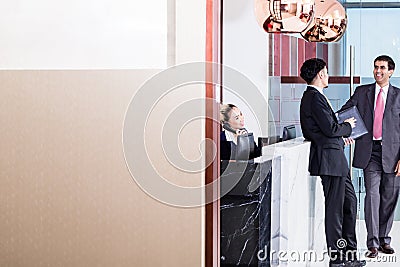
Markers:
271,62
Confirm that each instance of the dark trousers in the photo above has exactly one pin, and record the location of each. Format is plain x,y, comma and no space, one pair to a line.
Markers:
340,217
382,193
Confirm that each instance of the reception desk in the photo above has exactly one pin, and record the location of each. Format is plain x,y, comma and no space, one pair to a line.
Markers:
245,212
274,216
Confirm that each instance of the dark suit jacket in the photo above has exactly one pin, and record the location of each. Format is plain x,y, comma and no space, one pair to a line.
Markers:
364,98
228,149
320,126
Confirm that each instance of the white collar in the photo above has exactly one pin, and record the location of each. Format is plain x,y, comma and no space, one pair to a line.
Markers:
378,88
316,87
230,137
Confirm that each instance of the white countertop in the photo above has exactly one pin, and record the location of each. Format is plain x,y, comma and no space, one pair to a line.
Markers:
275,150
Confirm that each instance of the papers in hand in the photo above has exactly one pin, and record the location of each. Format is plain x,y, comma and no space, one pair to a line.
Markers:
359,129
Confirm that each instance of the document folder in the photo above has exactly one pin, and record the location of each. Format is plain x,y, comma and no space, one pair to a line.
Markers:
360,129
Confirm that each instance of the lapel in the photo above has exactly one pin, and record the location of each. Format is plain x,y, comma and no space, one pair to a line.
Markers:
328,106
391,96
371,98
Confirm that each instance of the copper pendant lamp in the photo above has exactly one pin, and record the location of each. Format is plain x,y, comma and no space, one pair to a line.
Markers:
329,23
284,16
315,20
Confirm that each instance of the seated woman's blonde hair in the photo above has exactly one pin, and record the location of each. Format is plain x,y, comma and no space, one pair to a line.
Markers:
224,112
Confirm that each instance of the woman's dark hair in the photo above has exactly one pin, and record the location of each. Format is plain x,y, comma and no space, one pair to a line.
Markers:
310,69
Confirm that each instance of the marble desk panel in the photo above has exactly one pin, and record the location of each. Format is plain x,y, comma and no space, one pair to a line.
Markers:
297,208
275,218
245,213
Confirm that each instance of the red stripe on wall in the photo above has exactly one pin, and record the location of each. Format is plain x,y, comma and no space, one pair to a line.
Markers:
310,50
277,54
301,53
325,52
285,55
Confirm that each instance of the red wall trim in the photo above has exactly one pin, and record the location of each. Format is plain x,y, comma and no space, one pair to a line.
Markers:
311,50
285,54
301,53
277,54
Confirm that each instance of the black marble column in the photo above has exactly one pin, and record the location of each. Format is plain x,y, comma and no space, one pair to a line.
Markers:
245,213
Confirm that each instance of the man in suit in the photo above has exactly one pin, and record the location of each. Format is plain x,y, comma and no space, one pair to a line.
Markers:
378,153
327,160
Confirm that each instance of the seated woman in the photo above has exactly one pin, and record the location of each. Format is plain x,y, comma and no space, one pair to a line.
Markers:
233,121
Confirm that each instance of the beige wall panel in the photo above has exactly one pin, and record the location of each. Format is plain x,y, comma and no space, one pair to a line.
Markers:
66,196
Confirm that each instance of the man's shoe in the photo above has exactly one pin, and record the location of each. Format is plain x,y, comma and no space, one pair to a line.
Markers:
386,248
372,252
356,263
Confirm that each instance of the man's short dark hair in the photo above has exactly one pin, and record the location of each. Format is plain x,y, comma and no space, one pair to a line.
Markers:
388,59
310,69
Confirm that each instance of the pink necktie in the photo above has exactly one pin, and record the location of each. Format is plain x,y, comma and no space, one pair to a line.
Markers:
378,116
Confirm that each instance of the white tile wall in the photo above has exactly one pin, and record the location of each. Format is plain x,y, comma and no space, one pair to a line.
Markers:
290,111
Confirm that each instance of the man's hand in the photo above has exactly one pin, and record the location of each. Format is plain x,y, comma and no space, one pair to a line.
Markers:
397,170
349,141
352,122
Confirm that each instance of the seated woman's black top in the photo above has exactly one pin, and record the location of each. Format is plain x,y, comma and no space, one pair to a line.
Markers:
228,149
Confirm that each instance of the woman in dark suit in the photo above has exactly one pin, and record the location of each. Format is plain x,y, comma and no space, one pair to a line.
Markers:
232,120
327,160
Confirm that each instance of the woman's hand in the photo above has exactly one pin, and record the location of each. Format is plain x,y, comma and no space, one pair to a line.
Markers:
241,131
348,141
